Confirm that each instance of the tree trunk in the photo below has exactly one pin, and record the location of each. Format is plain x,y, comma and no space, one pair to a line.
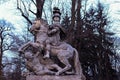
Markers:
1,54
79,25
39,4
73,18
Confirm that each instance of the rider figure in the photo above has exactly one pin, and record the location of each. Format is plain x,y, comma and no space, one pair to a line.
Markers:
55,33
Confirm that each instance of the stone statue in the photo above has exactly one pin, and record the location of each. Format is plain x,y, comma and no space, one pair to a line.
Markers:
55,32
48,42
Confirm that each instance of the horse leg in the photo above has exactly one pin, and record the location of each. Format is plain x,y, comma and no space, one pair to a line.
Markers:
65,61
47,53
24,47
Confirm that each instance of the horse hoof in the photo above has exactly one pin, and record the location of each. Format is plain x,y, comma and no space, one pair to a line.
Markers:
21,51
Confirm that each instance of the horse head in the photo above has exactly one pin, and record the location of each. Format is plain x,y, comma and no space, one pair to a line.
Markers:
37,23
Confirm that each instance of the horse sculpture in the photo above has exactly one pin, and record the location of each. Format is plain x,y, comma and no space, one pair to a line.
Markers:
63,51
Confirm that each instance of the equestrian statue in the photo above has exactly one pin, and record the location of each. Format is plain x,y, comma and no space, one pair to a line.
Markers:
49,42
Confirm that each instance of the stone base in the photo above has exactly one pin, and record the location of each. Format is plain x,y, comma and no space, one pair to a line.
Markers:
50,77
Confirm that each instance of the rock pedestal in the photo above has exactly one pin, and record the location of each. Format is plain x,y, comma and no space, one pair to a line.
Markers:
49,77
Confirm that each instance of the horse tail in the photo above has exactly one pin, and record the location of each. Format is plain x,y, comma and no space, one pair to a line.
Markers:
77,62
77,65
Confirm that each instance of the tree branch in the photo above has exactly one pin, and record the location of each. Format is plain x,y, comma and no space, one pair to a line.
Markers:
27,19
24,7
33,2
32,12
24,15
23,12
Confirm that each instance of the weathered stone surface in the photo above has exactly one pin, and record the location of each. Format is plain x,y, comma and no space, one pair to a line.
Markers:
49,77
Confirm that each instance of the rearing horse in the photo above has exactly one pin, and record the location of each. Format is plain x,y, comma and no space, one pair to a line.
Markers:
63,51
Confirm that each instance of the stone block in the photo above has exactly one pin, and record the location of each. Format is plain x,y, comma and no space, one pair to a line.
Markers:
50,77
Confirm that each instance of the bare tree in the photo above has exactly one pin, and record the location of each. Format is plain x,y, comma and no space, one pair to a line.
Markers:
24,8
5,40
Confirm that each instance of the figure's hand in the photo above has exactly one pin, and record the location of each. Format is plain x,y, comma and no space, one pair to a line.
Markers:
51,32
